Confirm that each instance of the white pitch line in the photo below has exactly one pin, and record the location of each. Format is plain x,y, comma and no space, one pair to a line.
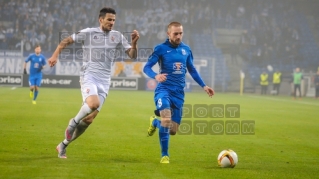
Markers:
283,100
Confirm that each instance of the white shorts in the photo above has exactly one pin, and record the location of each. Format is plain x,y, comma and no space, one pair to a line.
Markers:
91,87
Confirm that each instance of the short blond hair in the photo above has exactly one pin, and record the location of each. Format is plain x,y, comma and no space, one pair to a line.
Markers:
176,24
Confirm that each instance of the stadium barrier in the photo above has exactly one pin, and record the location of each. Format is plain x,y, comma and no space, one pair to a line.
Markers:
65,81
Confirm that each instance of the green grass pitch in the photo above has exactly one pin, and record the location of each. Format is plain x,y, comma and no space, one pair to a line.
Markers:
285,144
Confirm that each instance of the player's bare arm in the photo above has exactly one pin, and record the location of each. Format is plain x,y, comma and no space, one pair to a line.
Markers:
64,43
132,52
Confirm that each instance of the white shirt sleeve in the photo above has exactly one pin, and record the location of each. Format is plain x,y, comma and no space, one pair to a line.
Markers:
81,35
124,43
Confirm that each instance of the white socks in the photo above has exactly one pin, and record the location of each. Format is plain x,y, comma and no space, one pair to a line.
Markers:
84,111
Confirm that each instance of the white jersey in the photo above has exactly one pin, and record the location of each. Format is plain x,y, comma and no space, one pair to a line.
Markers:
99,51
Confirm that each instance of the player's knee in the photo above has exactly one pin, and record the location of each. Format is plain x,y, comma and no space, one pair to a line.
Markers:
166,113
172,132
93,102
165,122
94,105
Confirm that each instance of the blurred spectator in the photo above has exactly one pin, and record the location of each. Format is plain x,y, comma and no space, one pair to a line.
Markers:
263,21
3,43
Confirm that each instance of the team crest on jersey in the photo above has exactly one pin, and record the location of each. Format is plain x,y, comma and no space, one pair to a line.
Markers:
87,91
177,66
112,38
184,51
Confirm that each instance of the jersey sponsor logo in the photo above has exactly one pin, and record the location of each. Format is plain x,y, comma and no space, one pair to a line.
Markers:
177,67
88,91
169,51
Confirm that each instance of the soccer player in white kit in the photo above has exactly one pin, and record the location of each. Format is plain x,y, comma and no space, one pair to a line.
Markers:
99,46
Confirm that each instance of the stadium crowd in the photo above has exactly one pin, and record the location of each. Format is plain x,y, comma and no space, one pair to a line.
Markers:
41,21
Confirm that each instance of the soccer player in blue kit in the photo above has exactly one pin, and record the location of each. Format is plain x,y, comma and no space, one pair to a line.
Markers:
175,59
38,62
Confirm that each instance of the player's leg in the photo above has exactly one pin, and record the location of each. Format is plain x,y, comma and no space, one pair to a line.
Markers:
164,133
154,123
73,123
31,91
87,121
83,125
176,120
32,86
162,103
36,89
90,104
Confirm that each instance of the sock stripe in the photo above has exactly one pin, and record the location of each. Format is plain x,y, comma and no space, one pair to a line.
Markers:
75,122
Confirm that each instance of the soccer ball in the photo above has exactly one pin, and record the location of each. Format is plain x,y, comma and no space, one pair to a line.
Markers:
227,159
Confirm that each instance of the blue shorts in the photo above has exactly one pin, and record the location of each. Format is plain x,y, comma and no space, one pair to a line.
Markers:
165,100
35,80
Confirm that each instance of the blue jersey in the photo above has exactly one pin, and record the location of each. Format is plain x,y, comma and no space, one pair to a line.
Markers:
175,61
37,62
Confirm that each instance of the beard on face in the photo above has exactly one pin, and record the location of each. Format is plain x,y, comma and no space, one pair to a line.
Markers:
176,42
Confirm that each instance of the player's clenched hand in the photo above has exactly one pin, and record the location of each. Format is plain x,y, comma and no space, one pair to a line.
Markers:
52,61
209,91
135,36
161,77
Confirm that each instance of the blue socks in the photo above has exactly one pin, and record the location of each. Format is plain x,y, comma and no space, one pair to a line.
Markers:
164,139
163,136
35,95
157,123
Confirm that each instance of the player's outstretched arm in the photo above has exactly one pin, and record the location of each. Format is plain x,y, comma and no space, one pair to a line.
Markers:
195,75
64,43
132,53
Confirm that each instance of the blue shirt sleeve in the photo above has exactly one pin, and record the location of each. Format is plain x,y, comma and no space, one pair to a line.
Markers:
28,59
193,72
152,60
44,61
